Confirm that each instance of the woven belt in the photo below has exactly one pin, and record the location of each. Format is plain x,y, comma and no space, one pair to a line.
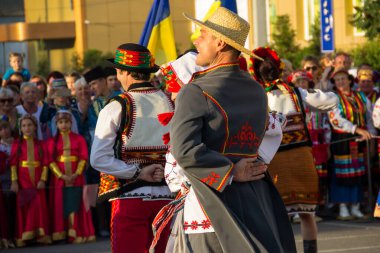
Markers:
30,164
69,158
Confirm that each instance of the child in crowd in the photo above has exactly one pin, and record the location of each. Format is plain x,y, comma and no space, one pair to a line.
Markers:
68,153
71,78
28,175
16,62
61,101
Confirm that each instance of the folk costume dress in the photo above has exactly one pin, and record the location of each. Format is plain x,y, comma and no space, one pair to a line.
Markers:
210,132
127,136
349,163
7,198
373,97
320,134
3,212
28,167
68,153
293,167
376,123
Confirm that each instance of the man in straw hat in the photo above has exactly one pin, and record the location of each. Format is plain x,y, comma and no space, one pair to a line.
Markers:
218,125
128,149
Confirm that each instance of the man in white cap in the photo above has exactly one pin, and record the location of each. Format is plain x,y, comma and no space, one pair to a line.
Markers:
218,125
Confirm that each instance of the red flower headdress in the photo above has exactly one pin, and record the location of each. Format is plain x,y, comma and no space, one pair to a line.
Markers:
265,53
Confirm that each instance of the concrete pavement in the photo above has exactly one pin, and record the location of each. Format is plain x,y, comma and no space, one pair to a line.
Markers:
334,236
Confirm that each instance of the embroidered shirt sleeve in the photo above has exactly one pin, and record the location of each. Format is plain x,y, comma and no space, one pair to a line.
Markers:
376,114
102,156
318,100
272,138
369,122
340,123
207,165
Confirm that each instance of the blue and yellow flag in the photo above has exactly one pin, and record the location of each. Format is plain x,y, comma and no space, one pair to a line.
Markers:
158,35
228,4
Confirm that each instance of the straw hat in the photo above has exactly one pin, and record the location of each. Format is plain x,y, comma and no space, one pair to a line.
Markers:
227,26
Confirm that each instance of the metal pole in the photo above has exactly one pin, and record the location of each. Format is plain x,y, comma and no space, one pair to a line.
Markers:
370,195
260,23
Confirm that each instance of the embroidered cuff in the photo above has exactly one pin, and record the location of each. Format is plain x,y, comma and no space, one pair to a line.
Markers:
44,174
54,167
137,173
353,130
81,167
227,178
14,176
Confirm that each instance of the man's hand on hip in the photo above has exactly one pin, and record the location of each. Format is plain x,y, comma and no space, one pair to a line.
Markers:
249,169
152,173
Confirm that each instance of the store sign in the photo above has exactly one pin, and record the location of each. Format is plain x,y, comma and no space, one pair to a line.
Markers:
327,26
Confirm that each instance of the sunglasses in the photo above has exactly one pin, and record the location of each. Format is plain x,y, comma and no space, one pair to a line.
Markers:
5,100
314,68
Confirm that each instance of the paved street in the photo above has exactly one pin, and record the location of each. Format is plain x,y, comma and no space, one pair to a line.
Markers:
334,236
350,237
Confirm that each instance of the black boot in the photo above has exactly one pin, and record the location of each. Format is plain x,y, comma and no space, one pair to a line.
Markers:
310,246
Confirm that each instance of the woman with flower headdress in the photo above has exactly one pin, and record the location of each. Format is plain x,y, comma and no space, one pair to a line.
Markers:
68,156
29,174
293,166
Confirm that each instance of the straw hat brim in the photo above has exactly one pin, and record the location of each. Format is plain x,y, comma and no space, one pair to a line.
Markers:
222,36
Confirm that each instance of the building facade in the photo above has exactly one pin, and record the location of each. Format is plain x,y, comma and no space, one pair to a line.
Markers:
50,32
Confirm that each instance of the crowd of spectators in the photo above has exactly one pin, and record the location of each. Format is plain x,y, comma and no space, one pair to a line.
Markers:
83,95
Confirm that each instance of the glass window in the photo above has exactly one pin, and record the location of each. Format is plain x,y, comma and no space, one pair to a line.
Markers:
311,11
11,11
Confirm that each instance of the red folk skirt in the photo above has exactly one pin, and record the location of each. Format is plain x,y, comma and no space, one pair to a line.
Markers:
32,217
77,227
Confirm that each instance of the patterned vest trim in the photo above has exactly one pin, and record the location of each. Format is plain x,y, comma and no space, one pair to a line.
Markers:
353,107
295,133
132,140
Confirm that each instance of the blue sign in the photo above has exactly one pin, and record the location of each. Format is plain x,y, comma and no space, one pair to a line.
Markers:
327,26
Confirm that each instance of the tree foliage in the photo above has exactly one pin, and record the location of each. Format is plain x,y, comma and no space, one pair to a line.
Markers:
314,47
91,59
367,18
368,53
43,64
284,39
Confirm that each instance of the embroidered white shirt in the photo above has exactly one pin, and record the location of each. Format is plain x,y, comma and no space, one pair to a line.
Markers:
102,156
